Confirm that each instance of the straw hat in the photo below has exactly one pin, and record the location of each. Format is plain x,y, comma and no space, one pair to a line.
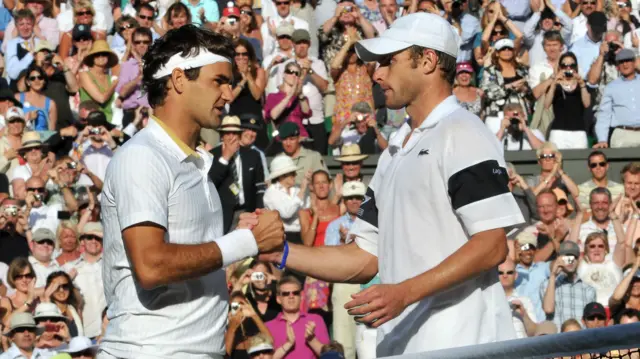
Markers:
30,140
230,124
48,310
21,320
350,153
100,47
281,165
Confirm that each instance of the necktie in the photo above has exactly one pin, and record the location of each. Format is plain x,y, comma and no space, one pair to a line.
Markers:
236,178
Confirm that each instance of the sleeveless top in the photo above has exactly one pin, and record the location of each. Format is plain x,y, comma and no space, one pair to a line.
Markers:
41,123
104,107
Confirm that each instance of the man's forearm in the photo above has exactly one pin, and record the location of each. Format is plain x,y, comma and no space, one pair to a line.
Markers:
549,300
337,264
484,251
127,89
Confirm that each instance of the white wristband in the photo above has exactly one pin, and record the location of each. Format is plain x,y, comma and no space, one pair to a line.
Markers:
236,246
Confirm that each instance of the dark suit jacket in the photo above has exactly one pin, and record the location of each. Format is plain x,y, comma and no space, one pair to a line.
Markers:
253,184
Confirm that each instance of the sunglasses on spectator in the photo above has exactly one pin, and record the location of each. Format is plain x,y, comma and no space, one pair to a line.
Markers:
242,54
278,3
36,78
596,164
592,246
47,242
292,72
85,353
557,23
281,37
495,33
82,13
595,317
35,189
358,198
14,120
246,12
509,272
527,246
24,276
294,293
83,39
623,5
570,66
588,3
141,42
144,17
88,237
65,286
547,156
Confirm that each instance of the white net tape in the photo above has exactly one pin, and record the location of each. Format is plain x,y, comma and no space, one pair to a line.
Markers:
620,341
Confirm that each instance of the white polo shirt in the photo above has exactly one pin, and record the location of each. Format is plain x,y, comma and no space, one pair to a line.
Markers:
89,281
156,178
42,270
424,202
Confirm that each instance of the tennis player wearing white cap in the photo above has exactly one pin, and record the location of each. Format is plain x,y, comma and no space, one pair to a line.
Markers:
432,221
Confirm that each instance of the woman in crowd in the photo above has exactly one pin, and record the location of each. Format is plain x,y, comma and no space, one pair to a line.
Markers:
505,81
244,323
37,164
177,16
12,140
60,291
22,278
289,104
249,83
261,290
83,14
570,98
352,77
120,42
40,110
496,26
68,244
598,268
570,325
627,293
98,83
249,22
621,18
551,173
469,96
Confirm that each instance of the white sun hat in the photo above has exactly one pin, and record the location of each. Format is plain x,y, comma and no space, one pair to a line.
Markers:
79,344
281,165
422,29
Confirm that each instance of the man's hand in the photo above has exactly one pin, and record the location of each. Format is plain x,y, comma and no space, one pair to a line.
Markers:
601,145
269,232
558,266
247,221
291,335
343,234
10,154
379,304
310,331
230,147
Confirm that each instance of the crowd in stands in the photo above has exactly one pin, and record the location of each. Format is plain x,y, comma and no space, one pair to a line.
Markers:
543,75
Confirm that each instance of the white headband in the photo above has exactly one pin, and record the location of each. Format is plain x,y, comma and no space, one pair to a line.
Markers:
177,61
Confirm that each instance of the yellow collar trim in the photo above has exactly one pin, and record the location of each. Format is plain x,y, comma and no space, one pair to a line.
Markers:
188,151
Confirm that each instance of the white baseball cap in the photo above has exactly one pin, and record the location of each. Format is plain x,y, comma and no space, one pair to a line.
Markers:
422,29
353,189
504,43
14,112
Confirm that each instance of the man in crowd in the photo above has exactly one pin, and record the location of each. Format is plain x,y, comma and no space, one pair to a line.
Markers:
13,244
580,22
22,332
306,159
539,24
19,54
95,147
599,168
229,26
351,162
145,17
541,73
274,63
270,24
130,81
40,214
250,127
604,69
600,220
508,275
551,230
309,329
531,274
587,47
594,316
361,128
565,295
514,133
41,259
631,181
45,28
618,118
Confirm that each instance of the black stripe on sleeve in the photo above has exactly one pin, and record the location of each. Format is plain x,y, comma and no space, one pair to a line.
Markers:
478,182
368,211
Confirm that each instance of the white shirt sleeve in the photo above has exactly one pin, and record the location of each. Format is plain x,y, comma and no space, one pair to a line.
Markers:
149,184
287,206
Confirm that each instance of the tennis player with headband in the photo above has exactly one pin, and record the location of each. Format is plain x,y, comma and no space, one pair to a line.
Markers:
163,246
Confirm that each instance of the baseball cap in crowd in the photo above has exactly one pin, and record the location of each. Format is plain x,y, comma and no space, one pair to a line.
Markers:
546,328
569,248
21,321
300,35
594,308
231,10
81,32
464,67
230,124
285,29
14,112
503,44
421,29
625,55
250,121
43,234
361,107
527,239
598,22
98,118
562,198
288,129
258,344
332,355
353,189
79,345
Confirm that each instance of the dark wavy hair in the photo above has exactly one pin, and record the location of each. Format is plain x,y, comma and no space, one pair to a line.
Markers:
74,298
33,67
185,40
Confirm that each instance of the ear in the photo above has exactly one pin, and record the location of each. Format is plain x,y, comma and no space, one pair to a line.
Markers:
178,80
278,299
31,245
429,61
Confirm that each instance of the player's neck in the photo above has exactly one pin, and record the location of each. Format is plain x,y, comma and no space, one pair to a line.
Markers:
186,129
426,102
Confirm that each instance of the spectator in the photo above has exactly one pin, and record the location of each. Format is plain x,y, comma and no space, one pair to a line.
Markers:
244,323
39,213
523,313
261,347
60,292
631,181
121,41
81,348
305,159
81,40
13,243
604,69
603,219
594,316
599,167
587,47
622,19
565,295
56,331
569,98
361,128
98,83
84,14
627,293
261,291
350,160
41,111
309,330
20,50
580,22
88,278
68,246
469,96
177,15
289,104
130,81
41,260
617,118
249,26
531,273
541,73
230,27
11,141
514,132
598,268
32,151
551,173
627,316
250,129
95,146
22,278
314,222
203,12
268,28
523,194
493,30
570,325
45,28
542,21
22,332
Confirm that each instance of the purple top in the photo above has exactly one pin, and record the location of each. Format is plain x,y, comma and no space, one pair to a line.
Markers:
293,112
129,70
278,329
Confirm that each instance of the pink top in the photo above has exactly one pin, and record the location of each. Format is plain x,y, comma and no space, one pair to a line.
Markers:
292,113
278,330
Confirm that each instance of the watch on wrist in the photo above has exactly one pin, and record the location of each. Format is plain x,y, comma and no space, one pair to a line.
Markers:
310,71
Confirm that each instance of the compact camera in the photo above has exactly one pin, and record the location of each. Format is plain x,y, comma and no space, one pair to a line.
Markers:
72,165
94,131
256,276
235,306
11,211
38,197
347,9
568,259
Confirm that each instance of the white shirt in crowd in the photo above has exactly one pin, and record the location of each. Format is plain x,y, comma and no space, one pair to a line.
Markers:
432,172
42,270
15,353
508,142
579,27
89,281
603,277
96,160
23,172
65,21
589,227
274,80
518,322
310,90
539,72
287,204
269,43
45,216
152,179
